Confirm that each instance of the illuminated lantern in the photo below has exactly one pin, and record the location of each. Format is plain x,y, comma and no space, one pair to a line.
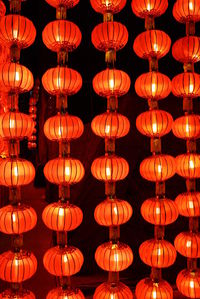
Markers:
60,216
154,123
153,85
147,289
109,35
186,10
2,9
158,168
188,244
157,253
159,212
111,82
188,283
188,165
110,125
17,219
116,291
17,267
110,168
63,127
153,8
108,6
64,261
114,257
61,34
16,172
187,127
186,85
113,212
59,293
64,171
24,294
188,204
66,3
152,43
187,49
62,80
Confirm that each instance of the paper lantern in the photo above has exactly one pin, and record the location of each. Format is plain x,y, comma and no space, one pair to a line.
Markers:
153,85
188,244
186,10
147,289
159,211
17,30
188,204
113,212
158,168
188,283
187,49
16,172
154,123
108,6
64,171
59,293
62,80
110,125
2,9
114,257
152,8
115,291
109,35
187,127
152,43
63,127
22,294
61,34
186,85
111,82
17,219
60,216
64,261
188,165
17,267
157,253
110,168
66,3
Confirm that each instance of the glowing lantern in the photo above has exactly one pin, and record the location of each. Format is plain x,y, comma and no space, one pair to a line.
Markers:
186,85
188,283
115,291
153,8
108,6
66,3
187,127
188,165
59,293
146,289
188,204
22,294
186,10
188,244
187,49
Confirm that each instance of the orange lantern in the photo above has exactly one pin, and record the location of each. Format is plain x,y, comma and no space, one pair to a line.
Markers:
2,9
152,43
159,211
186,85
157,253
17,219
108,6
158,168
115,291
110,168
111,82
147,289
109,35
17,267
110,125
188,283
113,212
154,123
59,216
153,85
65,3
188,204
63,261
114,257
186,10
152,8
188,165
187,49
64,171
59,293
61,34
188,244
187,127
22,294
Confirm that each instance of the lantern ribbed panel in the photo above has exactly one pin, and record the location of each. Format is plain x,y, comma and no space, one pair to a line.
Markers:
146,289
19,295
189,204
188,244
107,291
187,127
59,293
187,49
153,8
188,283
188,165
186,10
186,85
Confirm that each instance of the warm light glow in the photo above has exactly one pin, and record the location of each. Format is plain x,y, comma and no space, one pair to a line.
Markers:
15,170
108,171
111,83
12,124
61,212
154,293
15,33
17,76
192,284
115,210
191,88
187,128
65,259
188,244
107,3
13,217
158,211
153,89
16,263
67,171
159,251
159,168
148,6
107,129
58,82
112,296
191,7
59,131
155,46
191,164
154,127
58,38
191,205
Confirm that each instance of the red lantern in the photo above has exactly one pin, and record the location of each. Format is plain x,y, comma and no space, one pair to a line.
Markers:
188,244
61,34
17,219
63,127
188,165
154,123
108,6
187,49
115,291
65,3
109,35
22,294
152,8
186,85
17,267
188,204
64,171
113,212
110,125
59,293
187,127
64,261
59,216
111,82
159,211
114,257
153,85
157,253
186,10
152,43
158,168
2,9
110,168
147,289
188,283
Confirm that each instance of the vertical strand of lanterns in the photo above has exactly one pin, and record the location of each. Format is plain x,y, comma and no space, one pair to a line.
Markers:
187,86
18,264
155,123
111,83
64,260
